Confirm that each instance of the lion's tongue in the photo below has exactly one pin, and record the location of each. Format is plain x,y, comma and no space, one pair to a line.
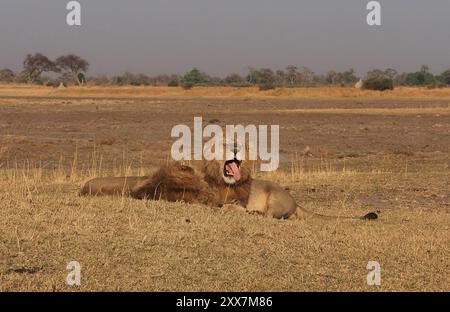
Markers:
234,170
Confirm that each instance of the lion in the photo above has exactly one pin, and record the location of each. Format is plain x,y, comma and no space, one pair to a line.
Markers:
227,184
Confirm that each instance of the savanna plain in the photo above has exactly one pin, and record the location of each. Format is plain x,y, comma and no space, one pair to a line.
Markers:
344,152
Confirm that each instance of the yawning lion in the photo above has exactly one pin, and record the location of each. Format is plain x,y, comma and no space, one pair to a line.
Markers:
227,184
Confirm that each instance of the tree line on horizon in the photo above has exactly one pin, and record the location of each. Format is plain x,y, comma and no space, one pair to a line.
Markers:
72,70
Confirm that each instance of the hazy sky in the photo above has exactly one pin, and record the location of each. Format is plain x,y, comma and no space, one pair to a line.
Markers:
224,36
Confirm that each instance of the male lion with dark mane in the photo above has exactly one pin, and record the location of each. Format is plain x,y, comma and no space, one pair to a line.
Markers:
227,184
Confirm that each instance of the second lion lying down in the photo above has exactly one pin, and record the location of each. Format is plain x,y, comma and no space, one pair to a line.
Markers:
227,184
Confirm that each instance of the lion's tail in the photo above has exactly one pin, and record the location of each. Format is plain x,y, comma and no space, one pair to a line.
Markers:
302,213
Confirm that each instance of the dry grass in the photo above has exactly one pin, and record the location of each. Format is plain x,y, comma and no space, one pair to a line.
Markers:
363,157
124,244
356,111
225,92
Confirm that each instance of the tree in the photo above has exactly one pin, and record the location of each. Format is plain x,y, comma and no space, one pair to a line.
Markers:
306,76
348,77
74,65
35,65
252,76
264,78
331,77
421,78
445,77
400,79
320,80
389,73
138,80
123,80
213,80
234,80
7,75
193,78
291,74
164,80
424,68
260,76
343,78
375,73
280,77
21,77
172,81
100,80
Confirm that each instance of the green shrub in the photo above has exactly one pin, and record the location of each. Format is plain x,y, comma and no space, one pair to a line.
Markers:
419,79
22,77
187,85
379,84
445,77
7,75
194,78
436,84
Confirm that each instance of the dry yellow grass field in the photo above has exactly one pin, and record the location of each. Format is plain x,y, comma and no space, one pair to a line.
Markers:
217,92
343,151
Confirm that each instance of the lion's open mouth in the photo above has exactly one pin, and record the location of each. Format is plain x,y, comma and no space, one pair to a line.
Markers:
231,169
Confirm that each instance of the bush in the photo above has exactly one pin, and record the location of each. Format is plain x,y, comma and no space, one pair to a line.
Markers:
194,78
119,81
445,77
436,84
7,75
173,83
187,85
264,78
266,86
234,80
22,77
420,78
379,84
